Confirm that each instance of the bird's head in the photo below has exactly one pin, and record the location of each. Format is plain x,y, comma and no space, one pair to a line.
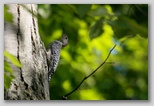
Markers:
64,39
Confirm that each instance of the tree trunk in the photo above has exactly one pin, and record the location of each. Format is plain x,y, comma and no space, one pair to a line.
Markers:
21,38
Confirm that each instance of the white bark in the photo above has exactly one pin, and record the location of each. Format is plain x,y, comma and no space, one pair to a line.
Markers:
23,41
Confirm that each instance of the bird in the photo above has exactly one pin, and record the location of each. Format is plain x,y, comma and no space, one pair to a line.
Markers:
53,54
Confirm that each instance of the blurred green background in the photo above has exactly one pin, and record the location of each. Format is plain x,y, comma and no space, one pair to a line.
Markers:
93,29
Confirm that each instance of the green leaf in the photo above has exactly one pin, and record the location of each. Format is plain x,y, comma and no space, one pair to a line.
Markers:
13,59
96,29
7,16
8,75
101,11
7,67
83,9
125,26
7,81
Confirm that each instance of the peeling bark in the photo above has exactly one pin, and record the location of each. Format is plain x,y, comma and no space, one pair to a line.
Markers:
21,38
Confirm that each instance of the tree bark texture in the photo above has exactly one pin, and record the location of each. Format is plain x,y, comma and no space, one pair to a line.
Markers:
21,38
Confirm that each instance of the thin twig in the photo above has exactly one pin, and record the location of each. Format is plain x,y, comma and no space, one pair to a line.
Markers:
65,96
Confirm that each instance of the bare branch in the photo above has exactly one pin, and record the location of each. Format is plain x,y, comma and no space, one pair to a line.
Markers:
65,96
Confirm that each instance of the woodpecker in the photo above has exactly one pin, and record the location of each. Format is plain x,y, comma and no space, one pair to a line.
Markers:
53,54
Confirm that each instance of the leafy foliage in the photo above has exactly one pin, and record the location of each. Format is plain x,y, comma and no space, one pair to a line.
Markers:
9,58
8,72
12,58
7,16
8,75
92,30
